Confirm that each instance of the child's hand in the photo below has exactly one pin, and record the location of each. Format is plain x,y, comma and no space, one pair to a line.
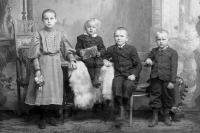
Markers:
39,79
81,53
170,85
38,73
98,54
72,65
149,62
131,77
106,63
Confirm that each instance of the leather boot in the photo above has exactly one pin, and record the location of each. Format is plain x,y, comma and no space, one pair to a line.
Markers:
96,83
122,114
167,119
91,73
154,120
41,123
52,120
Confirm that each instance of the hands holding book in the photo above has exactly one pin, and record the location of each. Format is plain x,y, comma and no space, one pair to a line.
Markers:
89,52
98,54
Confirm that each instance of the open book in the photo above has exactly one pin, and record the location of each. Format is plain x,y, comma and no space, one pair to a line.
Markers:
89,52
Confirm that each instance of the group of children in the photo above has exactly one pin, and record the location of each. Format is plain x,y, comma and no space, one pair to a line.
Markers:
45,52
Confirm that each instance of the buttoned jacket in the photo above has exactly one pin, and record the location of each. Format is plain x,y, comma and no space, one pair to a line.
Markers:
85,41
126,60
165,64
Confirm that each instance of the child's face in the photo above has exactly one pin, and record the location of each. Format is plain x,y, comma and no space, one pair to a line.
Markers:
49,20
91,28
162,40
120,37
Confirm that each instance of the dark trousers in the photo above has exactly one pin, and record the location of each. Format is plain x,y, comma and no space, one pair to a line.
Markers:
92,63
123,87
160,95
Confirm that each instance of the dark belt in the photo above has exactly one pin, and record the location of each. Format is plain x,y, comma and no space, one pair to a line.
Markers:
51,54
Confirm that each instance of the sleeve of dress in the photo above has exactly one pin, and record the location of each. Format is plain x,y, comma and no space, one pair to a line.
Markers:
34,50
67,48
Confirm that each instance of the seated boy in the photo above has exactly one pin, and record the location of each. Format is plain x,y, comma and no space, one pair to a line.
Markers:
127,67
164,62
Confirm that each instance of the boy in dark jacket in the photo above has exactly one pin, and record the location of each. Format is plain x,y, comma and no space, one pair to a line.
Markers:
127,67
164,62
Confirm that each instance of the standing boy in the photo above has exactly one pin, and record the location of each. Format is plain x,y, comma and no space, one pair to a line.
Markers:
127,67
164,62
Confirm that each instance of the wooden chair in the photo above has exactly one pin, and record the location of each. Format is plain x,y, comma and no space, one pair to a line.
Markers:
139,92
66,89
1,116
141,88
23,33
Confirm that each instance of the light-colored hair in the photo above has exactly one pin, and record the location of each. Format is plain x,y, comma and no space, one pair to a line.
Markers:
93,20
121,29
161,31
48,10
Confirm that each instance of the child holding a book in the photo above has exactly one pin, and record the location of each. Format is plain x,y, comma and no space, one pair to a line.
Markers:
88,40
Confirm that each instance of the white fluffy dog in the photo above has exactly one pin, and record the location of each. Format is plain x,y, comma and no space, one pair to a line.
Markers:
85,95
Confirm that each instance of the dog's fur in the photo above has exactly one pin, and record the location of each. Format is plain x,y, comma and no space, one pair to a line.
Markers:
85,95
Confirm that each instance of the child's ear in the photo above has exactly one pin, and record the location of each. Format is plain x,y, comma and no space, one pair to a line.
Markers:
56,20
127,38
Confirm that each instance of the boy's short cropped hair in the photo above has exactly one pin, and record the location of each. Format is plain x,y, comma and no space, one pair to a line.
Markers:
162,31
120,29
48,10
94,20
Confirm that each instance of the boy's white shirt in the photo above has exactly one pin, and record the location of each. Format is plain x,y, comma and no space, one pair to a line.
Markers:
121,45
106,62
162,49
94,35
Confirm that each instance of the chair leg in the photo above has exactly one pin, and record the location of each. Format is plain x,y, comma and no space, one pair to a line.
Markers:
19,99
1,117
24,93
111,105
131,111
63,112
26,106
64,103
